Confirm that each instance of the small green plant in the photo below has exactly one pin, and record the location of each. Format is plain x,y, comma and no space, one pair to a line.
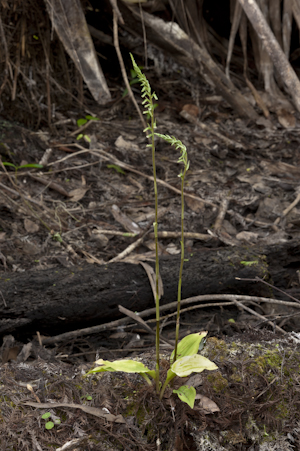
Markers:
83,121
185,359
50,424
87,397
23,166
116,168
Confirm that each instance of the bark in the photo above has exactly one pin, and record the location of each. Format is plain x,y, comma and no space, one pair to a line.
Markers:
273,48
69,23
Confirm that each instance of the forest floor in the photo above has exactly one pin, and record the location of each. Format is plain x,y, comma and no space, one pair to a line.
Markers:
93,198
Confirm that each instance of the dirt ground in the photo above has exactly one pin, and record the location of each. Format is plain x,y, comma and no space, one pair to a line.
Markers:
94,197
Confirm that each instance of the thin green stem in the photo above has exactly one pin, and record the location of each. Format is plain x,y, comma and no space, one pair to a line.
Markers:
148,97
163,389
156,254
183,159
181,265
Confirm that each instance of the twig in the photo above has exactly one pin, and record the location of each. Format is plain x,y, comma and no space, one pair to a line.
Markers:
253,312
257,279
140,321
221,214
129,249
12,191
82,128
123,70
148,312
288,209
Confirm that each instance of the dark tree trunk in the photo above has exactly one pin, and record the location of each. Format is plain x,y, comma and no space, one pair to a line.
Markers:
61,299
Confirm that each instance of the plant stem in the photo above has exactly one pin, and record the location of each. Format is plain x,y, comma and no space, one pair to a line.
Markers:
163,389
155,225
181,265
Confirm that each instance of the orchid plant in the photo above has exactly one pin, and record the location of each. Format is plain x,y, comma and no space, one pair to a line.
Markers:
185,359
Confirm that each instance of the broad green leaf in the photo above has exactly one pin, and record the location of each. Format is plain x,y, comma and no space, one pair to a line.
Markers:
189,345
49,425
101,369
186,394
170,376
81,122
192,364
152,373
127,366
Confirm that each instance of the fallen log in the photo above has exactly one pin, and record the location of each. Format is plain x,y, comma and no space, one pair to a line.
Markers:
61,299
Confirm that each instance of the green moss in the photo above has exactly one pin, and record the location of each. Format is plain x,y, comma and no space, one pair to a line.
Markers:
282,411
235,376
218,382
217,349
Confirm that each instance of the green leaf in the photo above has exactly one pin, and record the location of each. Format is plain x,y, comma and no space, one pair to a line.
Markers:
49,425
116,168
31,165
91,118
186,394
127,366
79,136
5,163
152,373
189,345
192,364
170,376
81,122
254,262
134,81
46,415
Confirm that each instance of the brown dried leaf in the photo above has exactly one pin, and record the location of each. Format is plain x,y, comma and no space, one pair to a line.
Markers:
122,144
88,409
30,226
195,205
207,404
250,237
191,109
77,194
286,119
124,220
